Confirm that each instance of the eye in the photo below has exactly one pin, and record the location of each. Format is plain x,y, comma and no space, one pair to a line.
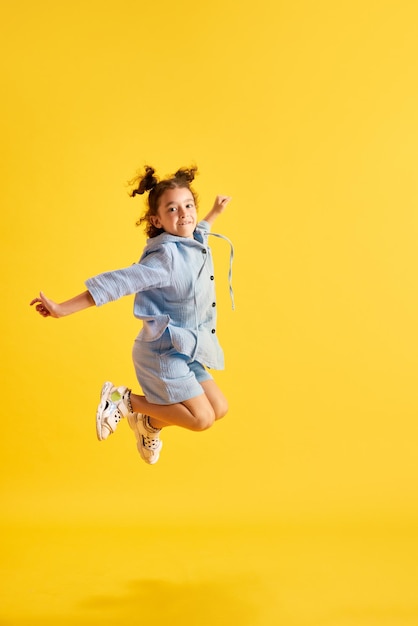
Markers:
172,208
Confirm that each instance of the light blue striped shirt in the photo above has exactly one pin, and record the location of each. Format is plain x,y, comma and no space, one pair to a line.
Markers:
174,288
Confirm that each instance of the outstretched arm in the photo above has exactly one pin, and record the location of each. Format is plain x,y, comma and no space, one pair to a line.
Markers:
49,308
219,205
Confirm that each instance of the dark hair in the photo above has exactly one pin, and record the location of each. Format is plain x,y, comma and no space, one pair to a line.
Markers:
149,182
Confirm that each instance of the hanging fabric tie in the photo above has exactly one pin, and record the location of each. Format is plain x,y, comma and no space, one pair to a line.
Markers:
231,258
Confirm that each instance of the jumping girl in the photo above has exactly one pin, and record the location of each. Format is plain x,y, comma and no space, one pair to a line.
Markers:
174,289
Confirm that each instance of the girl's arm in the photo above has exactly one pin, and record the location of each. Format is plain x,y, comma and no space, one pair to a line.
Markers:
49,308
219,205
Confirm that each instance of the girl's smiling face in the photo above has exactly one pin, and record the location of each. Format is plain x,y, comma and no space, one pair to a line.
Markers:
176,213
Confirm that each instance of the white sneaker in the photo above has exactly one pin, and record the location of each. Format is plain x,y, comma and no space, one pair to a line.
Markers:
114,405
147,440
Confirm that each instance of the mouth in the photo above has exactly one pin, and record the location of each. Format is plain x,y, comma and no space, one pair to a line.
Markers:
184,223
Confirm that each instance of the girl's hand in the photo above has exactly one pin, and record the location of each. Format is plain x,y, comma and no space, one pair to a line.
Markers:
47,307
220,203
218,206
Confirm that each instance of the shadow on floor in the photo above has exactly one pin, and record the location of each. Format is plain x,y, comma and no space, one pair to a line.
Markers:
188,604
161,603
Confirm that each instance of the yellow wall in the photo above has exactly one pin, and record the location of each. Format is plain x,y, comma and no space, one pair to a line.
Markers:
306,113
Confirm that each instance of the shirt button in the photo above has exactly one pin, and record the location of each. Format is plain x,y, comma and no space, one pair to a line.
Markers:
213,303
213,331
212,277
203,251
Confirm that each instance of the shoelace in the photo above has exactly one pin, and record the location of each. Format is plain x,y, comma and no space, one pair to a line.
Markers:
151,443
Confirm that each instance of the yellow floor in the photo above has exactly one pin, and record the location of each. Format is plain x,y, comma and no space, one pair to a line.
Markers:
263,575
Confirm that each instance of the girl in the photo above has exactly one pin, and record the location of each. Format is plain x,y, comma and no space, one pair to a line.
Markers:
173,283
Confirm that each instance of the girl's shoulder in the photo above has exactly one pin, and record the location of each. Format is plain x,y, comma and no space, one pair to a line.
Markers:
156,250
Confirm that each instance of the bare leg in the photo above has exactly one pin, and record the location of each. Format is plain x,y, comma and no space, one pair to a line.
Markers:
196,414
216,398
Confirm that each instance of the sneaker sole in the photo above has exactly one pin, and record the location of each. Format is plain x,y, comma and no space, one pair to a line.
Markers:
100,409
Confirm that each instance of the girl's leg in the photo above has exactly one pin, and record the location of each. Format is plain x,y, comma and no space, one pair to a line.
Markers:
196,414
216,398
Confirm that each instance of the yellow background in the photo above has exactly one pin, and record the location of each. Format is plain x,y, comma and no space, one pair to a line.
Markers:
301,506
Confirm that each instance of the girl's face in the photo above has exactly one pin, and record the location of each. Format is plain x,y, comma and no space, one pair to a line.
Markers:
176,213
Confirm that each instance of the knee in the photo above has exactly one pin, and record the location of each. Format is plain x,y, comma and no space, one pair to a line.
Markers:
221,410
204,420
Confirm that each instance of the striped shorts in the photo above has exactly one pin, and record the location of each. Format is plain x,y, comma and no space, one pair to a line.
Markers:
165,375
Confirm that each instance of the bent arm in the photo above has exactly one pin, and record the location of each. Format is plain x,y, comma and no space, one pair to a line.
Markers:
49,308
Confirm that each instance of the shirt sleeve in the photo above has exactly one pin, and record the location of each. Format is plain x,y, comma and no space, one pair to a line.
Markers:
204,225
153,272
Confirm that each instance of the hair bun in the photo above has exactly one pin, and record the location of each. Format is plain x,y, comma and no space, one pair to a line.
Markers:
186,174
146,182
